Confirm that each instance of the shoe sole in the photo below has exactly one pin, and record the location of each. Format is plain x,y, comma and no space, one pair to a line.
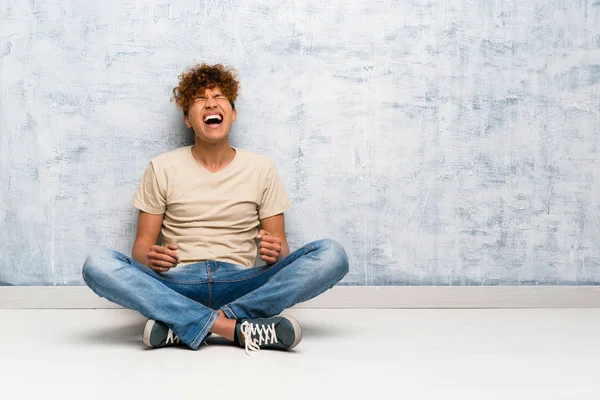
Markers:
147,331
297,330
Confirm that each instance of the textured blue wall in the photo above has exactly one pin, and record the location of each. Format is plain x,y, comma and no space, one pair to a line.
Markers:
445,143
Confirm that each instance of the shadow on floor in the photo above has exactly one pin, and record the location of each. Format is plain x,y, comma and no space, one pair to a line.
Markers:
322,331
125,335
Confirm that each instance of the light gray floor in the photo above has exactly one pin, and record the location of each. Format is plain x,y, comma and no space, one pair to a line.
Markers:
369,354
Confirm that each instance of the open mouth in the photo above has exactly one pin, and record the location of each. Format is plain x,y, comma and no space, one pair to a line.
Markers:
213,120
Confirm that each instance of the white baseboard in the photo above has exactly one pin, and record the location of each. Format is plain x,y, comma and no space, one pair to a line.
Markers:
350,297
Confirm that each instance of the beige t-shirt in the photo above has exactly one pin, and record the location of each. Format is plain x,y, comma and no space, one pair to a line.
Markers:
212,216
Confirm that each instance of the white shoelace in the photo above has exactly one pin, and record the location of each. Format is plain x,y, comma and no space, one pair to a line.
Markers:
172,338
266,335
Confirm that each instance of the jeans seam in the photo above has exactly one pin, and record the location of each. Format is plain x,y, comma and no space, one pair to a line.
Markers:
196,340
209,275
226,309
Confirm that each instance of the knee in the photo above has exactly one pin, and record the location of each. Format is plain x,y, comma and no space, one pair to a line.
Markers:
334,256
97,265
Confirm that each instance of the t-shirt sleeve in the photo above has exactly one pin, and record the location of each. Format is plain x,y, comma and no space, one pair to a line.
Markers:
274,200
150,196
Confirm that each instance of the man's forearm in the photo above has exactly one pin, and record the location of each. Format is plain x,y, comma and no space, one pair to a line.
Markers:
140,251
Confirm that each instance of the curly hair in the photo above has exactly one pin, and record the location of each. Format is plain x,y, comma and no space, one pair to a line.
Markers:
198,78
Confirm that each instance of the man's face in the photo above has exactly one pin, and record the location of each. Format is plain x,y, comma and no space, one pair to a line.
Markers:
211,115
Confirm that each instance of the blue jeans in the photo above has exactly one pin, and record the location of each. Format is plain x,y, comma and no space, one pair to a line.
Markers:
186,297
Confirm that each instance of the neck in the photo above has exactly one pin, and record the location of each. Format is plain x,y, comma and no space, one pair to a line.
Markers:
213,157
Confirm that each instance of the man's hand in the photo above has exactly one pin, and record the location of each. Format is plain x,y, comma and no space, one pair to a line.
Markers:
161,259
269,246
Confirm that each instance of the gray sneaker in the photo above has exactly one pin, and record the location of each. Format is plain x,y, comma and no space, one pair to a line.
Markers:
158,334
281,332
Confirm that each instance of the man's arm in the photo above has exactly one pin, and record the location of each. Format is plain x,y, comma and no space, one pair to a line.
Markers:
148,229
146,251
273,244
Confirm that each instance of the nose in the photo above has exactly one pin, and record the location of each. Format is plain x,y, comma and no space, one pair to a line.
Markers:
211,102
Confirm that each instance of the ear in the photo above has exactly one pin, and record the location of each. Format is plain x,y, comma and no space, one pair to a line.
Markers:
233,115
187,121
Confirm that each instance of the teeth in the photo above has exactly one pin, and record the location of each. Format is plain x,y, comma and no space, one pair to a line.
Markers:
217,116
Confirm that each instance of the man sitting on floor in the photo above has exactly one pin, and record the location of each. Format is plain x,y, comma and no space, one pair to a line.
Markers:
212,203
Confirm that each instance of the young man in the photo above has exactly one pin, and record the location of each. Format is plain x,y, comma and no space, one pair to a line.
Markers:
208,201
